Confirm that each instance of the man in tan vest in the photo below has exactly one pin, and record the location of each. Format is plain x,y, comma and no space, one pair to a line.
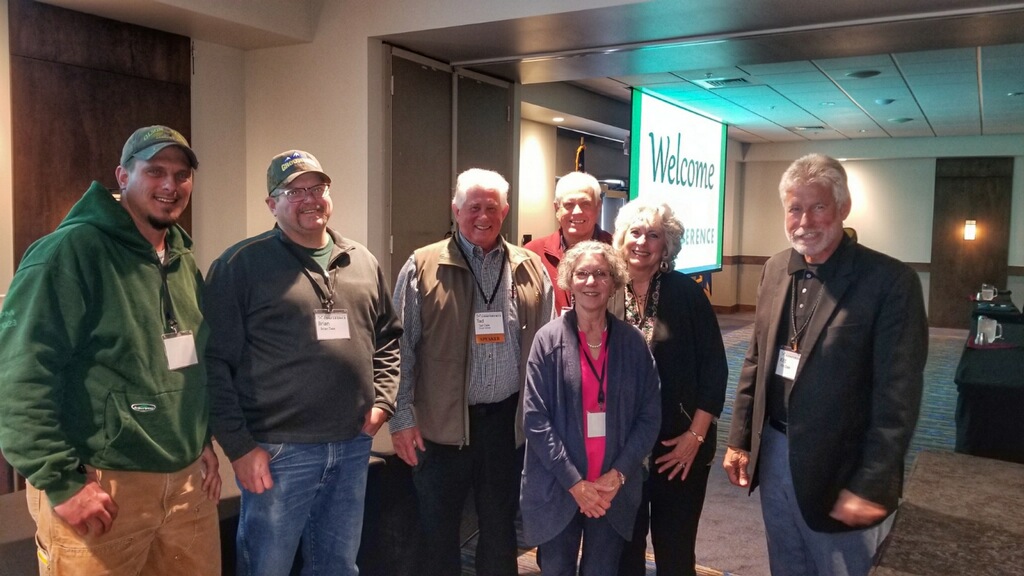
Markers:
471,305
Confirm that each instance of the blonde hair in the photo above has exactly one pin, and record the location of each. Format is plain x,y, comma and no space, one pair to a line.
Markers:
650,213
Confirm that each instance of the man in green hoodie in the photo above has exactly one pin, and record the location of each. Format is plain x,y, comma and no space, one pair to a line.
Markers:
104,383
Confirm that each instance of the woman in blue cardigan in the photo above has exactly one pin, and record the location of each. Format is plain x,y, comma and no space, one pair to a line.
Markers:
592,410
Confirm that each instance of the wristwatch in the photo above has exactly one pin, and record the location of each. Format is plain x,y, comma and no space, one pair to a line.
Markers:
700,439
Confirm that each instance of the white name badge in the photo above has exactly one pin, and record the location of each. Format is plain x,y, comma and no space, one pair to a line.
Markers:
332,325
595,424
788,361
490,328
180,348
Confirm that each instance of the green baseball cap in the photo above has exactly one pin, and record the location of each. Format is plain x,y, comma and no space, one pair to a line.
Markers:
145,142
289,165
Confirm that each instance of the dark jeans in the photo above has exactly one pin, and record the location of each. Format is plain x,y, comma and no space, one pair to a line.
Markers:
488,466
601,548
672,509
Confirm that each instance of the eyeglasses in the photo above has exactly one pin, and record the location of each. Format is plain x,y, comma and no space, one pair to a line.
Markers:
598,275
296,195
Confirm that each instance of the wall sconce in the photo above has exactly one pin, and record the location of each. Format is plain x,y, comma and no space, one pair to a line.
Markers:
970,229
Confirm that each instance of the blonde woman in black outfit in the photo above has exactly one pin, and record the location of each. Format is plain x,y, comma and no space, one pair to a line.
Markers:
681,329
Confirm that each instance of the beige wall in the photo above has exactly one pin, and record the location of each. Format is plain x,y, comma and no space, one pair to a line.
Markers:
6,211
536,179
221,211
892,206
892,186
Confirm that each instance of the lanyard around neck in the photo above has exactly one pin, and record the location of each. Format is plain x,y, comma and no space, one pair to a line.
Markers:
322,281
479,287
794,342
168,304
593,369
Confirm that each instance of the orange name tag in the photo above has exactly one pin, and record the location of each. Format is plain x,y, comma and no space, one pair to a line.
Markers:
489,327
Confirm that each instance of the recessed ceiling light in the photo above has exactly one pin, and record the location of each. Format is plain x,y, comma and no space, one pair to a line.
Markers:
885,101
828,103
902,120
861,74
558,119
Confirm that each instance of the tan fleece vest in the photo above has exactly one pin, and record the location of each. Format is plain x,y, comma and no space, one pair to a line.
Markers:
445,285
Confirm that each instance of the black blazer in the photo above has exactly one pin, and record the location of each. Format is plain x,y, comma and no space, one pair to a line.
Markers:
854,402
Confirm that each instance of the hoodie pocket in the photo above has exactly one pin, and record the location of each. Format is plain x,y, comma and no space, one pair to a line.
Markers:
151,431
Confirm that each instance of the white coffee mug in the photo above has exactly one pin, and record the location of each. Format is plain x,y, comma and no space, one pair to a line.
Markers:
989,329
988,292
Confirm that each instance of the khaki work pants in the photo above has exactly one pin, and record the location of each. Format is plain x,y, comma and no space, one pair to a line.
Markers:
165,525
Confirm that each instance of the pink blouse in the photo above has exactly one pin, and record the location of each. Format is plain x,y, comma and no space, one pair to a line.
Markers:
591,388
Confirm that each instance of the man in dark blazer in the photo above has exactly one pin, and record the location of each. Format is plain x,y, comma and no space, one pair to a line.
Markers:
831,385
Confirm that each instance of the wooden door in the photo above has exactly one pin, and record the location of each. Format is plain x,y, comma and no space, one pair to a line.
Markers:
75,99
978,189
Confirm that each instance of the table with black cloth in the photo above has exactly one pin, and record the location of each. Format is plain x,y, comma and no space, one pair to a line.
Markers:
990,382
1001,308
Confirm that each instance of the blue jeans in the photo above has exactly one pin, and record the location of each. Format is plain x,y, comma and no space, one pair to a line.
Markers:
317,499
793,548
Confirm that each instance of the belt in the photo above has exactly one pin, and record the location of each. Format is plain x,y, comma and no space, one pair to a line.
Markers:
493,407
778,425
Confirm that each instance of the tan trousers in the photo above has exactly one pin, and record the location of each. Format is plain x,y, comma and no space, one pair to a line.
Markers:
165,525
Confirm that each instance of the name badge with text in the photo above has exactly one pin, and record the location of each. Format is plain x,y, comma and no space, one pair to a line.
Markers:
490,327
332,325
788,361
181,350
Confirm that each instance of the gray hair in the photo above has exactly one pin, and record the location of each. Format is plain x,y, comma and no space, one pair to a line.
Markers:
616,265
817,169
478,178
651,213
578,182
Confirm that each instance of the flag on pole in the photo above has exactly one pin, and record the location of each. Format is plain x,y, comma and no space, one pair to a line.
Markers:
704,280
580,156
